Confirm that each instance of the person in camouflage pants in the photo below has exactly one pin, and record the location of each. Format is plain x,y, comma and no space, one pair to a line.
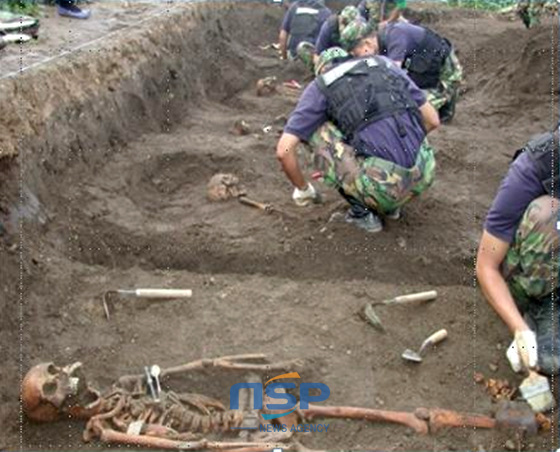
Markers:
530,269
380,11
376,183
400,42
530,11
518,257
447,92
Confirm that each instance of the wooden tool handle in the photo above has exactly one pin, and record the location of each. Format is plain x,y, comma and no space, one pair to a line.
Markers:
368,414
435,338
164,293
421,296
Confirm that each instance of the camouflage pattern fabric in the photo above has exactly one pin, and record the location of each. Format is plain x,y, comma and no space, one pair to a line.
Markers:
347,15
450,80
530,11
531,271
378,184
327,57
305,52
354,32
380,10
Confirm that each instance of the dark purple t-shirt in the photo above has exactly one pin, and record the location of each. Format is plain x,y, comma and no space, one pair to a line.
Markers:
517,190
382,137
322,16
402,39
328,35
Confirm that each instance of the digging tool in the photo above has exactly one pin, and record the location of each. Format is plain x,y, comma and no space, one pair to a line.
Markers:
371,316
535,389
434,339
407,299
155,372
150,383
145,293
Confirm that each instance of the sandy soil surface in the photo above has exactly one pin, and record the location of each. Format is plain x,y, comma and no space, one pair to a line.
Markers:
59,36
288,284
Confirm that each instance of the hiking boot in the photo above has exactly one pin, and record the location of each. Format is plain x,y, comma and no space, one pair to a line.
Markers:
395,214
369,222
73,11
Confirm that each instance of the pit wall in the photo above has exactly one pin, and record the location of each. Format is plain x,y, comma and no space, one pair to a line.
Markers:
76,109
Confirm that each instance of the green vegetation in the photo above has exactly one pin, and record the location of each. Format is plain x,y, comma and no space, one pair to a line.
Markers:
489,5
28,7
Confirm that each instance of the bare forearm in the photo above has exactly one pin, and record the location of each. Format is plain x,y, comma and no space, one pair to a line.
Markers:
496,291
430,117
283,42
286,153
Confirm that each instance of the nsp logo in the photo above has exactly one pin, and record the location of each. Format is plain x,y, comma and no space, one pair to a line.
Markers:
270,389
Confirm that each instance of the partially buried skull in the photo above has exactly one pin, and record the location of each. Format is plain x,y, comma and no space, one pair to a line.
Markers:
49,392
223,187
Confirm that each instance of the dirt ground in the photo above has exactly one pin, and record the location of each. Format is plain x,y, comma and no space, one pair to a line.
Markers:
135,214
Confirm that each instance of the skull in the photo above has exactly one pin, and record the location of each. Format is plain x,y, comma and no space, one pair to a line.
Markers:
223,187
48,392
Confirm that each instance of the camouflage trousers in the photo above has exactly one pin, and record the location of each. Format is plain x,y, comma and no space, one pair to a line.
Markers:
531,270
304,52
530,11
378,8
450,80
375,183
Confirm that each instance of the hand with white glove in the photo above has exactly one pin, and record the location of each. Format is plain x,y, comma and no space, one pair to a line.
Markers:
522,354
303,198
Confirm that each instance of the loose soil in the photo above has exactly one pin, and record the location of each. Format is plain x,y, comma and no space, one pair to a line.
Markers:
128,209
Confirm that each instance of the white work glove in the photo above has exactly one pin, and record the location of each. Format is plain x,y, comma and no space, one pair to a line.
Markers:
523,352
303,198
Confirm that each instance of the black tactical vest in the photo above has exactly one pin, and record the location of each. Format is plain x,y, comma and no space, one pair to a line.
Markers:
425,63
305,22
360,92
543,151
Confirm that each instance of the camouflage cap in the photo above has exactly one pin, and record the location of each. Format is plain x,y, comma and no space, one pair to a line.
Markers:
354,32
347,15
328,58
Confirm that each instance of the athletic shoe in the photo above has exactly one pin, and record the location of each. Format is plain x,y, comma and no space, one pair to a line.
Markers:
74,12
370,222
395,214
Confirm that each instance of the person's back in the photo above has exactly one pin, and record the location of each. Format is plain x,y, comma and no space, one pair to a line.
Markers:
303,21
419,50
390,127
400,40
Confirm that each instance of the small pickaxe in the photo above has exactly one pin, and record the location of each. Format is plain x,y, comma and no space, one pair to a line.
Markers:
370,315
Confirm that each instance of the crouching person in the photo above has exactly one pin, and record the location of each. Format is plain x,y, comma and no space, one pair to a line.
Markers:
366,123
517,264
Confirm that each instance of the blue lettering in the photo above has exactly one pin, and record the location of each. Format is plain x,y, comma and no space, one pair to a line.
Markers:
326,427
319,427
234,395
305,398
262,428
290,399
